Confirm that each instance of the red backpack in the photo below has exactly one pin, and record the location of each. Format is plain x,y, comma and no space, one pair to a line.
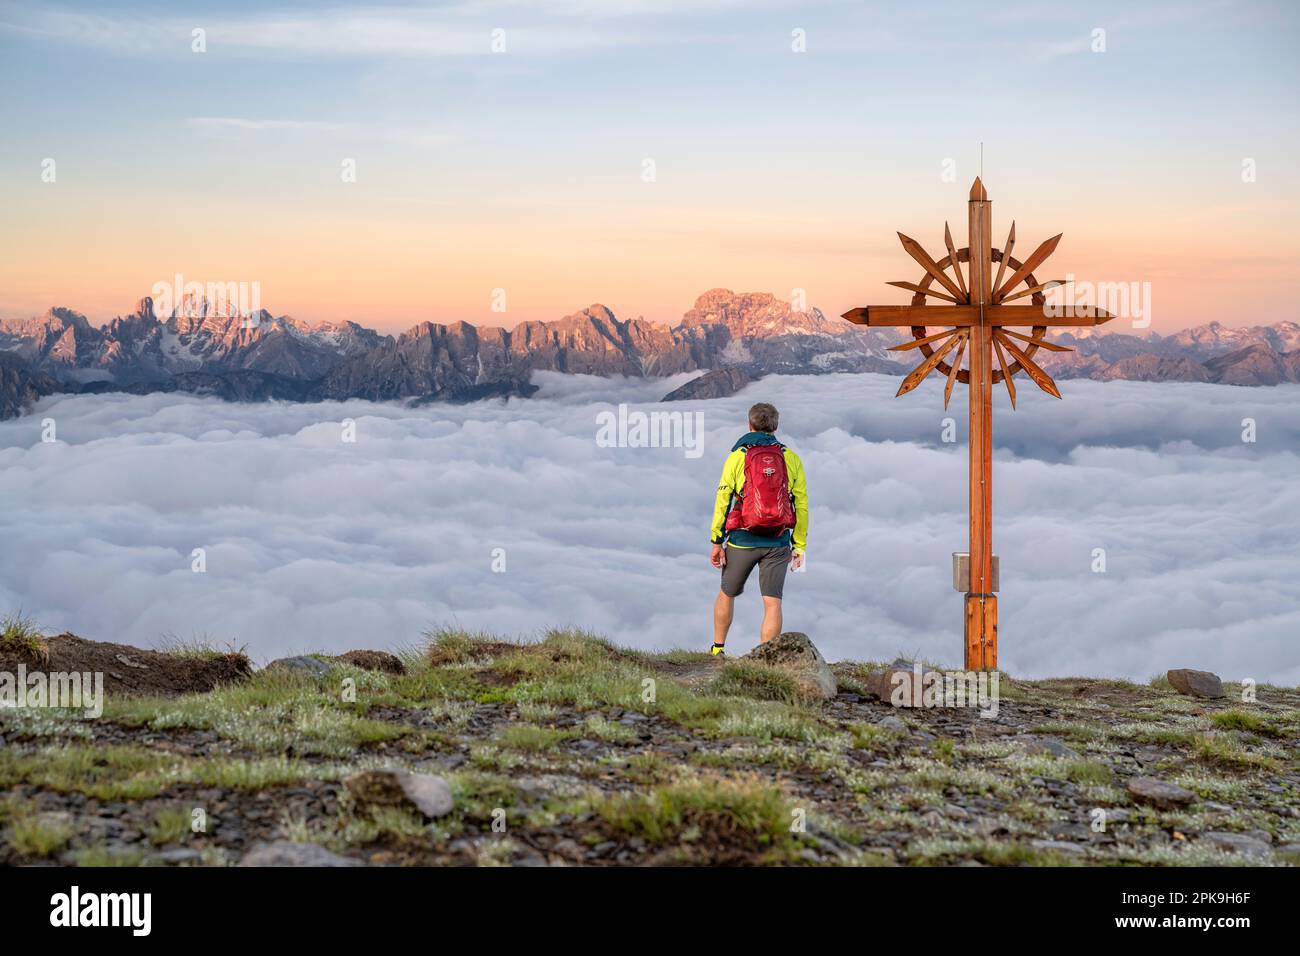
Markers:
765,507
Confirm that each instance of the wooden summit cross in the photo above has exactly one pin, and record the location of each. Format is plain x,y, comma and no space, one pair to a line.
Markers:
979,320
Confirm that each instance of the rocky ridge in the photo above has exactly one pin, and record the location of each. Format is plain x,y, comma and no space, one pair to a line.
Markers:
204,349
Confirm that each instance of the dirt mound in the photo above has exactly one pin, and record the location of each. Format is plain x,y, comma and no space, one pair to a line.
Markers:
374,661
132,670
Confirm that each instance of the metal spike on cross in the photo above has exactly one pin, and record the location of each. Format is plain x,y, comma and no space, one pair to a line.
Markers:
977,324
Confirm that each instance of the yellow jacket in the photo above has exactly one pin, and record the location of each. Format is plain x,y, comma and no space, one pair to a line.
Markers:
733,480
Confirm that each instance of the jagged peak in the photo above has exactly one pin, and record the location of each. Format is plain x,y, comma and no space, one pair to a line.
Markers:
595,311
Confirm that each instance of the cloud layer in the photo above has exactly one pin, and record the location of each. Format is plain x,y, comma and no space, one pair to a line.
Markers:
314,543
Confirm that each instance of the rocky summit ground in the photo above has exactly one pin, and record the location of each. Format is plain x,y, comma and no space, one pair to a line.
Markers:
569,750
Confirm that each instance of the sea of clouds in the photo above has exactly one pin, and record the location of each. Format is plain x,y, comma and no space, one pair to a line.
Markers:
315,543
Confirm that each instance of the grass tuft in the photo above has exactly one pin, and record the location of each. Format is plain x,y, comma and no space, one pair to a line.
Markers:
171,824
755,681
21,635
39,835
200,647
531,738
744,810
1242,720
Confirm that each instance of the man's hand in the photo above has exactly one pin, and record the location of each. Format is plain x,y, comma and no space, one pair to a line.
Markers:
718,557
796,560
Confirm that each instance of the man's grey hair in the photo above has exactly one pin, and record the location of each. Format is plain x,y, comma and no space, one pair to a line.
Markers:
763,417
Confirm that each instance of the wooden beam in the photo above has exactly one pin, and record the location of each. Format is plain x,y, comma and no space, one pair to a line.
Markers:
880,315
1041,378
929,265
981,632
1050,346
980,232
925,368
1006,371
1035,260
962,315
964,334
1078,315
913,287
925,340
1006,255
956,266
1041,287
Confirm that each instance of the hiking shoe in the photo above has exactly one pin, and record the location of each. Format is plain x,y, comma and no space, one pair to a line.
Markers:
718,650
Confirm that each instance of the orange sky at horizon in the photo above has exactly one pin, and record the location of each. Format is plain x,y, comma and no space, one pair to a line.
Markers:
645,260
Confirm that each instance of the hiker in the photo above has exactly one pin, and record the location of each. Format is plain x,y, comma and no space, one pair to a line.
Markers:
760,519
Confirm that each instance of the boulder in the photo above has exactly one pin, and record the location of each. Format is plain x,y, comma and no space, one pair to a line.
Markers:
1196,683
306,666
1050,746
1289,852
178,855
287,853
1057,846
794,653
1158,793
1240,843
424,792
899,684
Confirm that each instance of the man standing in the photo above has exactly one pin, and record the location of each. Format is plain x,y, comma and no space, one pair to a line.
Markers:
760,519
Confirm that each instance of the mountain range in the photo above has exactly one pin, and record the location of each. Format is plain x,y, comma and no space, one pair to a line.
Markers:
202,348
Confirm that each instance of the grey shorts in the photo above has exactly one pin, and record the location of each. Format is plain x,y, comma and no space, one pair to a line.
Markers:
771,562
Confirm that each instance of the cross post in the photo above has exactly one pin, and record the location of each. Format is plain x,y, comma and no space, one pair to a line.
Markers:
980,320
981,603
